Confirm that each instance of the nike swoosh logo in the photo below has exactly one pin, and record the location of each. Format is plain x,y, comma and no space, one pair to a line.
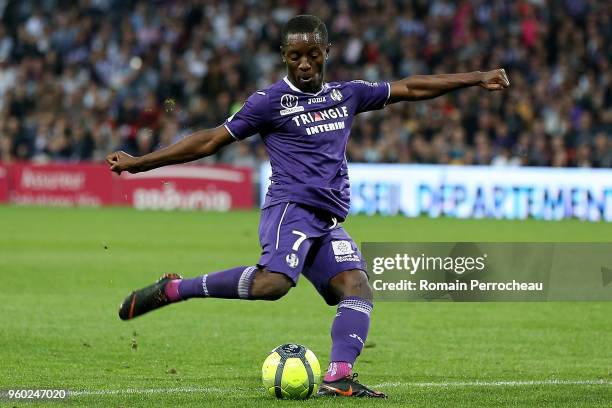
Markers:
346,393
131,315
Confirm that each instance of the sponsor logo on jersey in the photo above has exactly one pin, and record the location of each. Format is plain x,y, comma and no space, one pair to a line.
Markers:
290,104
326,127
336,95
318,99
325,114
289,101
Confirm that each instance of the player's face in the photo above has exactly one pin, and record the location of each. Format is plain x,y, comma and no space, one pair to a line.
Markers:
305,56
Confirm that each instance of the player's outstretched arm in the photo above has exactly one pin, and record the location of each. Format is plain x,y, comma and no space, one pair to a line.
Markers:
195,146
419,87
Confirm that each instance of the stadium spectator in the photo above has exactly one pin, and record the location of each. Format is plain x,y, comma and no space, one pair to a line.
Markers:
77,82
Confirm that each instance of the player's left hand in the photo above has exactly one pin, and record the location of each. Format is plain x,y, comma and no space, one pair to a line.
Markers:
495,80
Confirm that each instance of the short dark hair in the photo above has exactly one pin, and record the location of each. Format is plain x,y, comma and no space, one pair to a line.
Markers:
304,23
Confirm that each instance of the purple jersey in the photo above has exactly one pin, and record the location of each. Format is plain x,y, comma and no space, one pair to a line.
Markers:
305,135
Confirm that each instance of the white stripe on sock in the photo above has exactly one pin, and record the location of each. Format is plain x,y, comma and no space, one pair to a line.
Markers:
244,284
204,287
356,304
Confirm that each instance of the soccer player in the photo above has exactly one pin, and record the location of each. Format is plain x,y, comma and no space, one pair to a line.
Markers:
304,123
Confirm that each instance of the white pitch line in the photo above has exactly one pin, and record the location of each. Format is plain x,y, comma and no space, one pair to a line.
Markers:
139,391
188,390
493,383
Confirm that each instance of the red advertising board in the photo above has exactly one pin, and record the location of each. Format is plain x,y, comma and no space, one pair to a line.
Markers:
3,184
66,185
176,187
187,187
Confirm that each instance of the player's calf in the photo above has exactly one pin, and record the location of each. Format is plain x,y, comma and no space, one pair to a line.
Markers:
353,282
242,282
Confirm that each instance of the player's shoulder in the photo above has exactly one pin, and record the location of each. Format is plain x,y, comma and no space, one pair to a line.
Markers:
337,85
259,99
260,95
268,94
353,85
363,83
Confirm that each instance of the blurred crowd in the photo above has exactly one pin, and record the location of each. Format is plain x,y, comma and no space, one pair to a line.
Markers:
79,79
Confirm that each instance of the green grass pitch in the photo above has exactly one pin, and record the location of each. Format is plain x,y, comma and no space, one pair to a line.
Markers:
64,272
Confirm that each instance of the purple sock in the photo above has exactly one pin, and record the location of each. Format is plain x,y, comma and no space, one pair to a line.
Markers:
233,283
349,332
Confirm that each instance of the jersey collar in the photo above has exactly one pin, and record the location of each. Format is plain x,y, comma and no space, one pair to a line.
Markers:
296,89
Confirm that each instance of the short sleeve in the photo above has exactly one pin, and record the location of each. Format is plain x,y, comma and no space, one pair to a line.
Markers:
370,95
250,118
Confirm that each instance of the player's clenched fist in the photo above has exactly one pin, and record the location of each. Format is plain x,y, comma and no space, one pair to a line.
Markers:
121,161
495,80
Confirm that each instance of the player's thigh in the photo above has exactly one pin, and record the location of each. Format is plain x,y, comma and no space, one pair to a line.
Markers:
286,236
330,256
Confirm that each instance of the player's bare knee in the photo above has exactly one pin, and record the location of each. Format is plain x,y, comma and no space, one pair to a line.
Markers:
353,282
270,285
279,288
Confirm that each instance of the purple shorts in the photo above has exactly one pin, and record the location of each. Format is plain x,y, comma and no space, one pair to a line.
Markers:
298,239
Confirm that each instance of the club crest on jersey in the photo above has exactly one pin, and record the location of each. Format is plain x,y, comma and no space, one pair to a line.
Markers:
292,260
336,95
290,104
